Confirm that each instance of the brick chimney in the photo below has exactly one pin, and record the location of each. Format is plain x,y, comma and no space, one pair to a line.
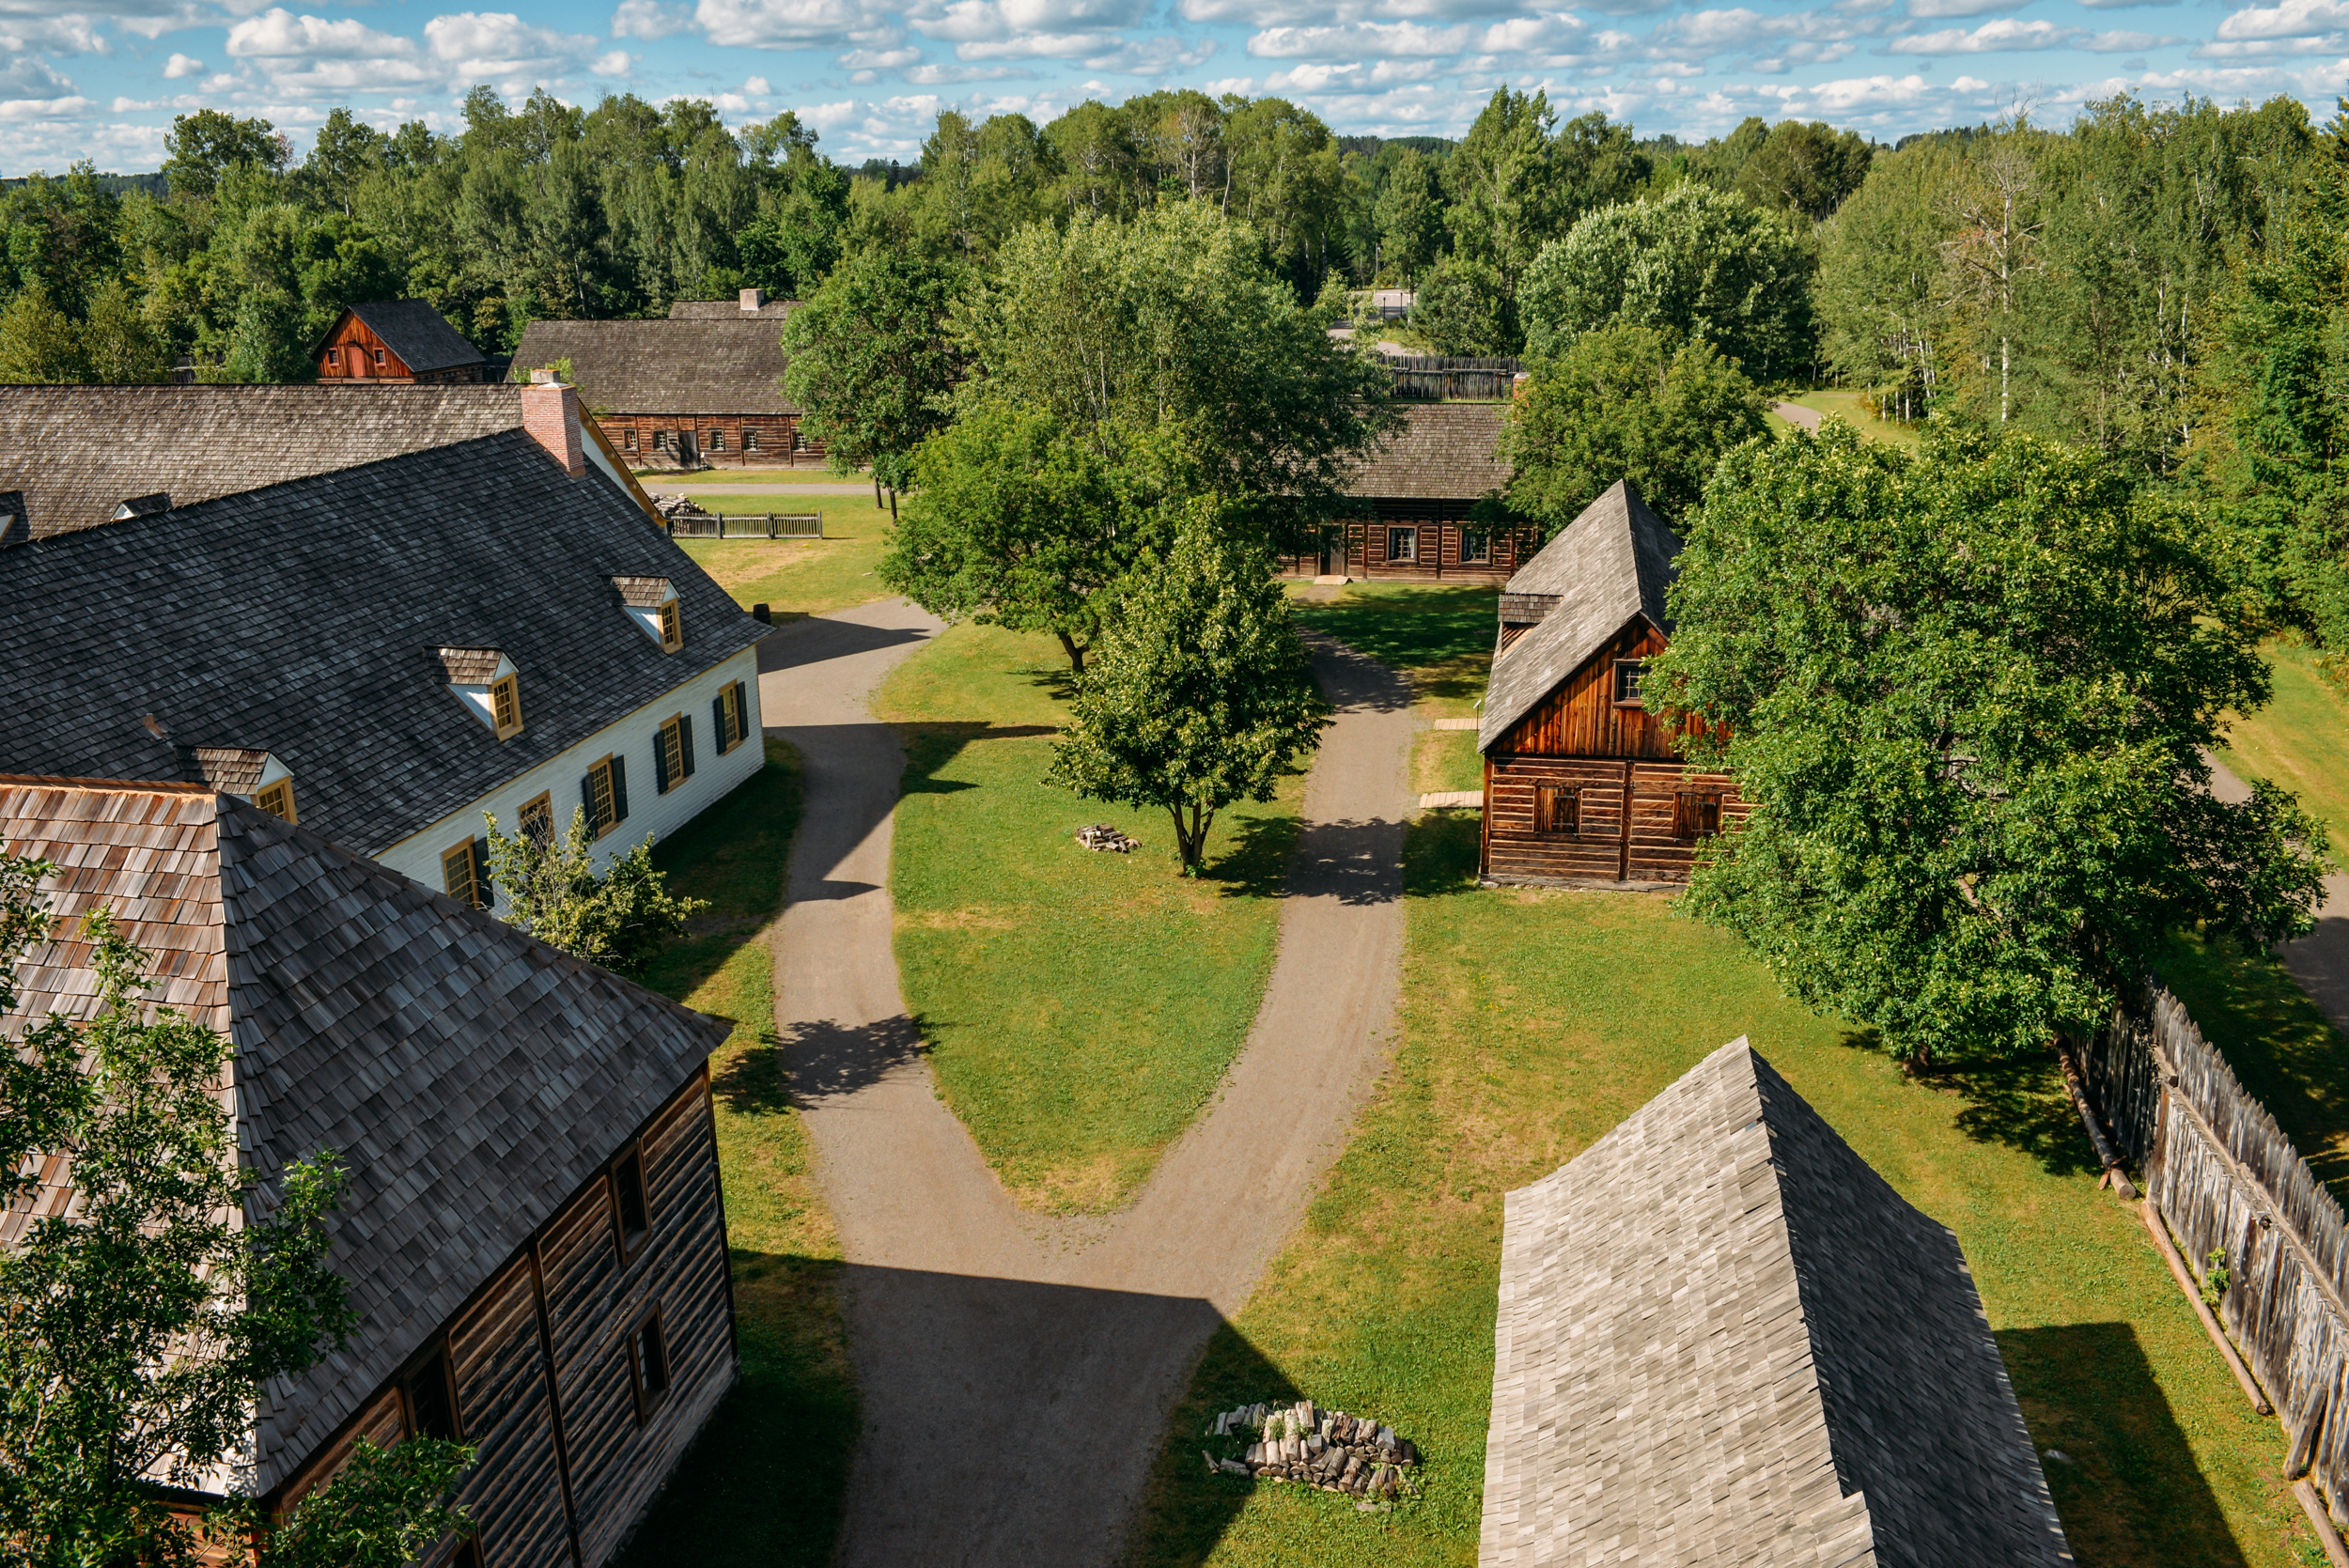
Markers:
551,415
752,299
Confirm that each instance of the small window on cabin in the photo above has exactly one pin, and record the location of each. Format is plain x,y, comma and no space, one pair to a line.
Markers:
333,359
648,1365
277,799
505,705
661,441
538,818
1629,674
1402,544
603,801
750,441
717,440
633,1214
460,872
671,625
1557,809
1475,549
628,438
1696,814
379,356
431,1403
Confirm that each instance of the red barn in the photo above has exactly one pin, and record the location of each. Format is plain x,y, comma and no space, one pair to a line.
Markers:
395,340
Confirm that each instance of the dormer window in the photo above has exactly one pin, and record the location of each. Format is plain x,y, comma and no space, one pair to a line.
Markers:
246,773
486,681
1630,675
652,603
143,506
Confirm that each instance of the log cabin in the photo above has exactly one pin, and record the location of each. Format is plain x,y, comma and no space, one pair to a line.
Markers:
532,1230
1418,489
385,612
1724,1341
702,389
399,342
1582,784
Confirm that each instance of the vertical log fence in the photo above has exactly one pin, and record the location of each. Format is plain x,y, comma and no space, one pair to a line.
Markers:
2225,1180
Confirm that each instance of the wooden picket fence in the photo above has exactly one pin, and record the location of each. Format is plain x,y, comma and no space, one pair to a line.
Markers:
1438,379
2227,1180
747,525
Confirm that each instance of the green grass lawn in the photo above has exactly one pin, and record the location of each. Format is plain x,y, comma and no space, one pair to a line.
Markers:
763,1485
2299,740
797,577
1534,1021
1853,408
1442,637
1081,1008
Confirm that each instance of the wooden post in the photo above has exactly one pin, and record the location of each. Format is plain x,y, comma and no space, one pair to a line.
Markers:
2321,1522
1622,854
2105,1152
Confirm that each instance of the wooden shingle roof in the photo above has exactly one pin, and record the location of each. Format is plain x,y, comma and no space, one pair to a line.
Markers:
418,333
690,366
1723,1339
1610,563
78,452
471,1078
1439,452
305,620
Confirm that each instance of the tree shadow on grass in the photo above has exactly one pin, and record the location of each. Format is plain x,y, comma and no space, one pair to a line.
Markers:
1256,865
934,746
2019,1101
2133,1493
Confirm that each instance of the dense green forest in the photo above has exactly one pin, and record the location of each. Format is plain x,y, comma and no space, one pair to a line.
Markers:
2165,284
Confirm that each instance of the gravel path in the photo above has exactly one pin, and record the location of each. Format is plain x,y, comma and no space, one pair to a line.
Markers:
2320,961
1797,415
1016,1371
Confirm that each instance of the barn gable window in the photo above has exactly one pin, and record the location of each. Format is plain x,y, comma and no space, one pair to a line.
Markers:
1630,675
1557,809
1696,814
335,359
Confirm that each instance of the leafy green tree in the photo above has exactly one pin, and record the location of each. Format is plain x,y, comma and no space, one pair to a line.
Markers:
620,920
267,343
1177,319
1285,183
203,147
385,1508
1970,694
1462,307
1882,295
1703,264
1598,164
1199,693
1505,197
1093,148
1805,169
1018,521
802,209
1409,218
871,362
342,154
1626,403
38,346
119,349
136,1333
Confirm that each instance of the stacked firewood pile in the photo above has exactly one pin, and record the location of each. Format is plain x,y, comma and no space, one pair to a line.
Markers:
1107,840
1324,1448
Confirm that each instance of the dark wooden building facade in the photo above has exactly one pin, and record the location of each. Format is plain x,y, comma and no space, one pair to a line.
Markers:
702,389
402,342
1418,489
1582,783
533,1231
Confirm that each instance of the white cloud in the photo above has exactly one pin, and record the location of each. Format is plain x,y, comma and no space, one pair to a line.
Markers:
499,46
2126,43
2293,19
1942,10
616,63
280,35
1362,37
648,20
16,110
2123,5
756,87
879,59
181,65
947,76
2006,33
784,24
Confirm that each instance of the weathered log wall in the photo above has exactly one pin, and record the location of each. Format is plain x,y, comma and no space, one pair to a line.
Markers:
2225,1179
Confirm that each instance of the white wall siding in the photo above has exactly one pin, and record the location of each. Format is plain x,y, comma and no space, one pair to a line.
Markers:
633,738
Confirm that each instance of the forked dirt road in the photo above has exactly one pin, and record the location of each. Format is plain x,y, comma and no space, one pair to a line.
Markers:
1017,1370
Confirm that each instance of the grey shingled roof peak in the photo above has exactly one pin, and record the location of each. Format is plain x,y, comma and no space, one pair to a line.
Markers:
1438,452
418,333
686,366
1724,1339
1613,563
471,1076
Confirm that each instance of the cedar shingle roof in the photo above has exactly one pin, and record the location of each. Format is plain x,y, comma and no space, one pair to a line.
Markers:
230,769
471,1078
469,666
729,310
302,620
77,453
418,333
1723,1339
673,367
1440,452
642,592
1608,564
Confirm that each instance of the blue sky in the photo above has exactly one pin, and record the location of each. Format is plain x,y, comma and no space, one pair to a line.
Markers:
102,78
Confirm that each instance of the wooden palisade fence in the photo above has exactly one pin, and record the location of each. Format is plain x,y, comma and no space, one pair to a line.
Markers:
1424,378
2225,1179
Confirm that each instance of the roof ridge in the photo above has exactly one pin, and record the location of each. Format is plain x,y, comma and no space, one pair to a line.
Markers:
119,786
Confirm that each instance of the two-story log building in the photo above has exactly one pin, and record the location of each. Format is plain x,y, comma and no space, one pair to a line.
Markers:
395,343
531,1228
1582,783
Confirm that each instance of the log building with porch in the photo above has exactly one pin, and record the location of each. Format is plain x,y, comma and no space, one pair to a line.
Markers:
1418,489
531,1228
1582,783
702,389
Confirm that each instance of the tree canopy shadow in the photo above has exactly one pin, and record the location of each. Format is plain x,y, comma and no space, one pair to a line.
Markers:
2133,1493
2020,1101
